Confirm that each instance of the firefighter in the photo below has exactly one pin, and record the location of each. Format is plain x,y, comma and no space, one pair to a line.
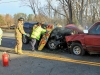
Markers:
35,36
19,31
1,33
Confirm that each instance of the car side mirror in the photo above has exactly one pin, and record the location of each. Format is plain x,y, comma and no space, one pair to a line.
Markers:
85,31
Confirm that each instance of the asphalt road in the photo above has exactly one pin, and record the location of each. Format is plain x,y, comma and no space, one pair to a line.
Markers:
46,62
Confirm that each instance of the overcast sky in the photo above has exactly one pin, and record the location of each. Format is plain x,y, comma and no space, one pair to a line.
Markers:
12,7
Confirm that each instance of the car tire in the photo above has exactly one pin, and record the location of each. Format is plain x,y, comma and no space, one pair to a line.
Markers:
51,44
25,40
77,49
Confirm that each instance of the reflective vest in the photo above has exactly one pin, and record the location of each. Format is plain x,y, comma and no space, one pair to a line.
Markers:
36,32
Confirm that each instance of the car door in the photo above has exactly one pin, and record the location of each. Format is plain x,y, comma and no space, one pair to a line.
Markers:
26,27
92,39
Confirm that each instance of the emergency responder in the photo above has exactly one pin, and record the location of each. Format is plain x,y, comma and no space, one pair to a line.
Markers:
19,31
35,36
1,33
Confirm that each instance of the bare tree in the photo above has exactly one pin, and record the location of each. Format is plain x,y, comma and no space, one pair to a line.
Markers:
8,20
71,11
2,21
32,4
66,7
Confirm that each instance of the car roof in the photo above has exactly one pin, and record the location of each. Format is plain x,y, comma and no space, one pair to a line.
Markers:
74,27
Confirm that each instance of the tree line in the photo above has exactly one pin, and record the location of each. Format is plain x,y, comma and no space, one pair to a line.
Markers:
79,12
9,20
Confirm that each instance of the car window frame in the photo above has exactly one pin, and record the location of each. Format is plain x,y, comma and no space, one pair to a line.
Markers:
95,30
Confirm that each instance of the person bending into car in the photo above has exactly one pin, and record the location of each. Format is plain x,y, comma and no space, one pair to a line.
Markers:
36,34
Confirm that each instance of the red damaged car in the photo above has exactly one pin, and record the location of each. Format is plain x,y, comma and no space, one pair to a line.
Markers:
78,44
57,37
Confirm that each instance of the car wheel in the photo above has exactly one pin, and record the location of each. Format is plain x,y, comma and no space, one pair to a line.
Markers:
77,49
25,40
52,44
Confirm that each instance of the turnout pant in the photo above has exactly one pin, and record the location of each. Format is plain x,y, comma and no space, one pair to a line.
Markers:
18,46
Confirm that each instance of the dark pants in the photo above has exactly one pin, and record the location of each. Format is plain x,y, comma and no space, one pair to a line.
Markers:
34,44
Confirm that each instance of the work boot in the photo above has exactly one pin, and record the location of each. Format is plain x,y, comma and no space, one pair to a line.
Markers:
16,51
20,52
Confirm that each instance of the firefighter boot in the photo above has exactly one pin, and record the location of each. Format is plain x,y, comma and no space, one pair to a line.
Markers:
15,50
20,52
